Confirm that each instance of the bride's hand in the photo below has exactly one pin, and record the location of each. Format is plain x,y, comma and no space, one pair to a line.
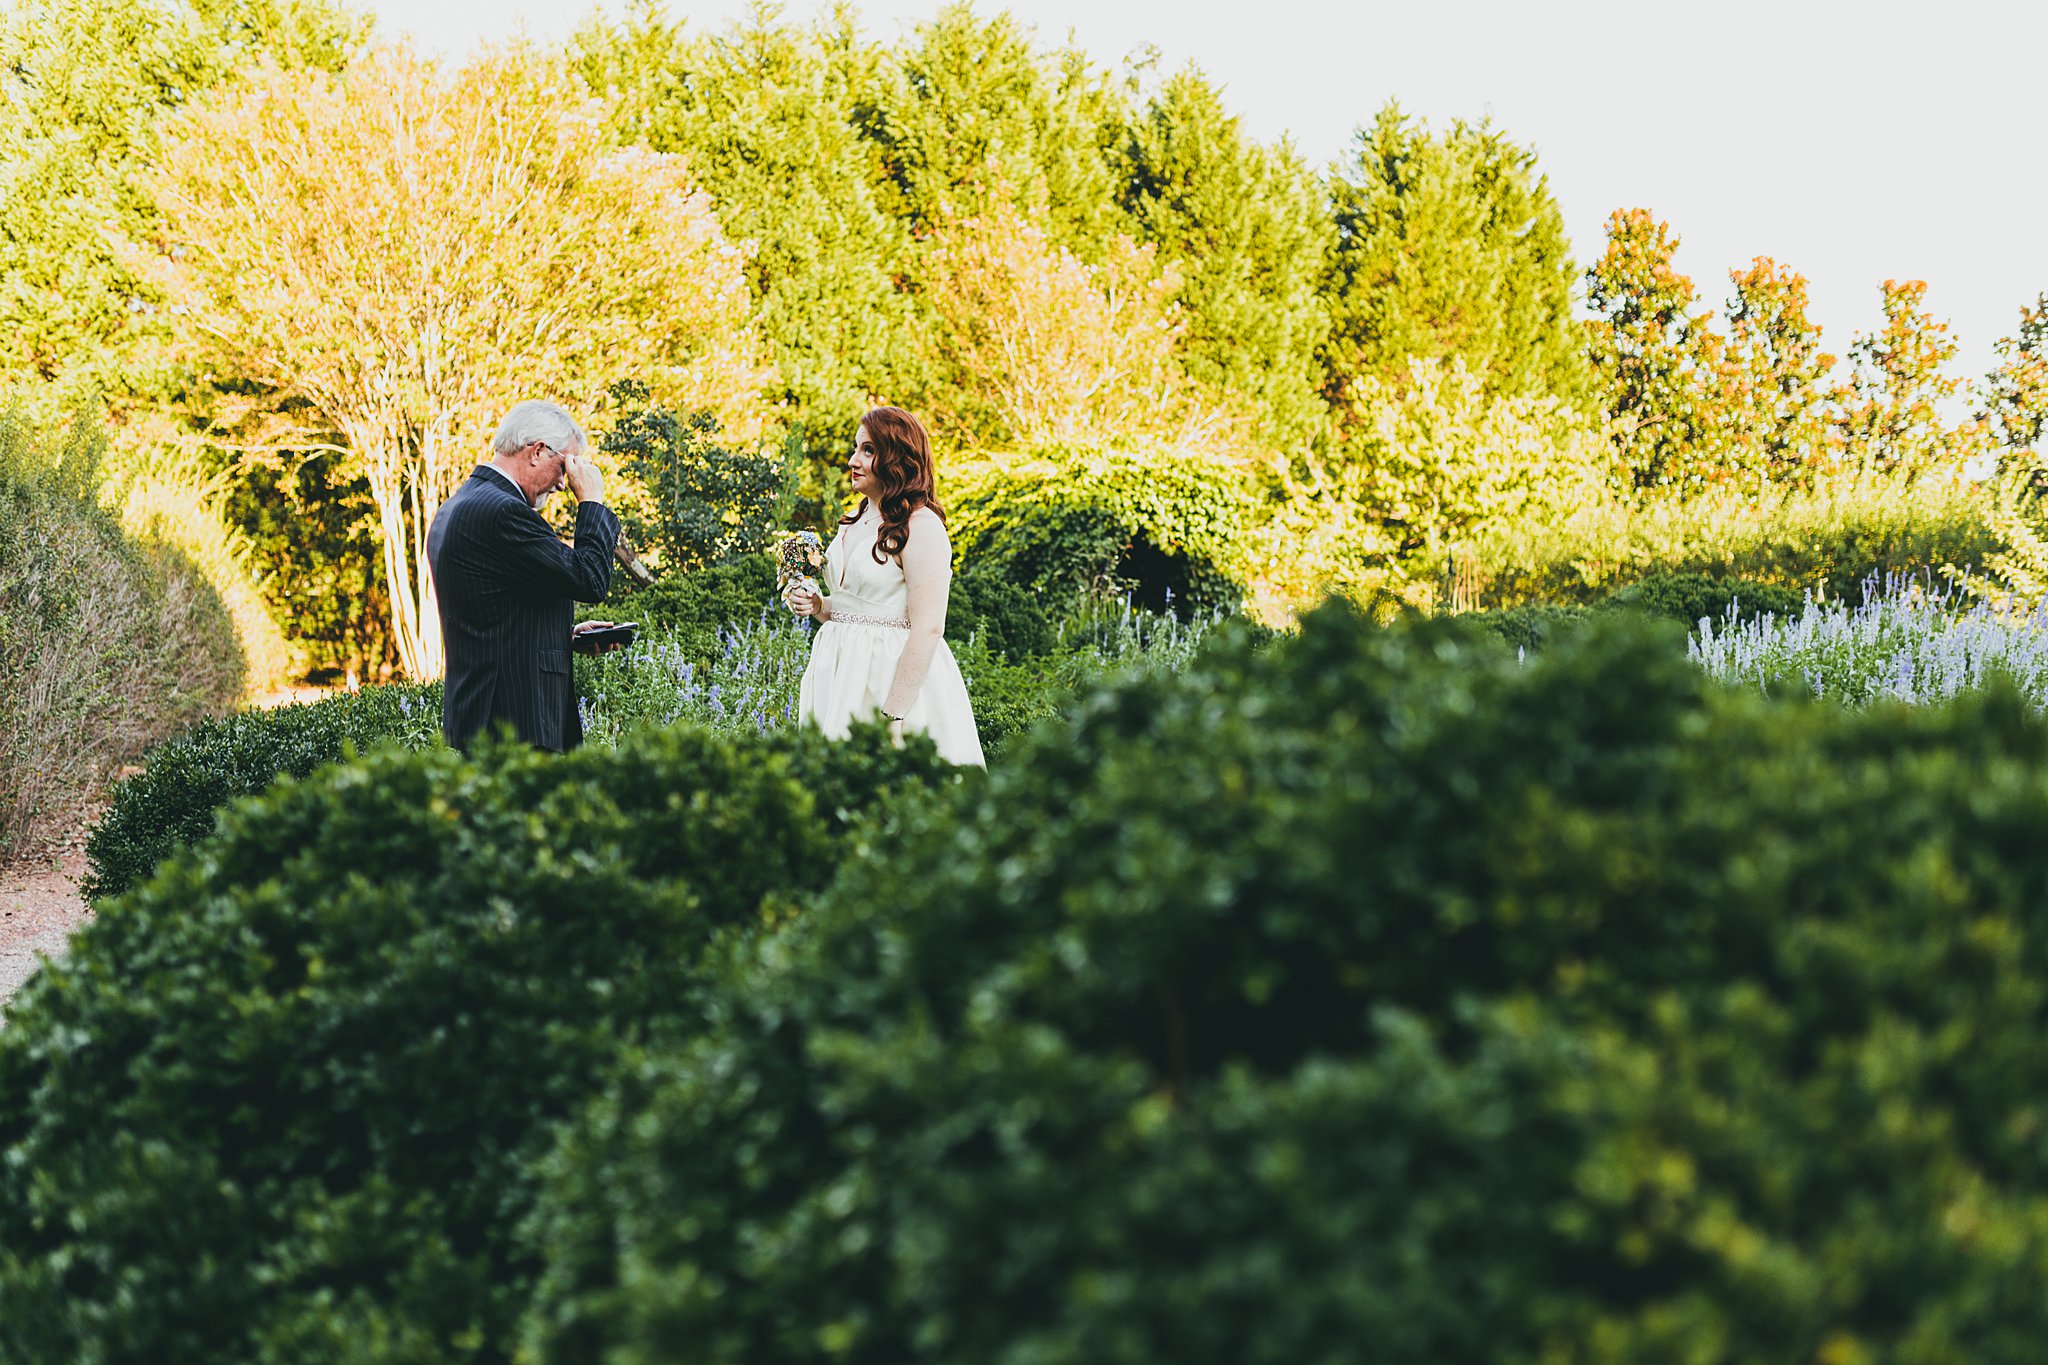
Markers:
802,600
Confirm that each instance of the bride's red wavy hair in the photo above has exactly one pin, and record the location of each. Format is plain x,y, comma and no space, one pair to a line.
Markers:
903,466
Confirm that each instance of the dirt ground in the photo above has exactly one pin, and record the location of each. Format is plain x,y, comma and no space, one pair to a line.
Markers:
39,900
39,907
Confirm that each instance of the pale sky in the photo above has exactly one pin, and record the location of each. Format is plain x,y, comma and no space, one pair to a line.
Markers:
1852,141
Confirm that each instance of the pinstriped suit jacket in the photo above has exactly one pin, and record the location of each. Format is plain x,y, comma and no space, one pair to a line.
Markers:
508,589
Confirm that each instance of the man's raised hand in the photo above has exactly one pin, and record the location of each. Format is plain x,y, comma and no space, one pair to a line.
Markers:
586,480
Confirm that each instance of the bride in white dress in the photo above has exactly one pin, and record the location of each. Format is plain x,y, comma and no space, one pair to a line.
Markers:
881,646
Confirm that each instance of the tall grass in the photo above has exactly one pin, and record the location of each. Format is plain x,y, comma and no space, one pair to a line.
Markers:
107,641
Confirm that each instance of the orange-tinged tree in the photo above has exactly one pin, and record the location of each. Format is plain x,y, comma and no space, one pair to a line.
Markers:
399,253
1774,376
1891,412
1656,351
2016,392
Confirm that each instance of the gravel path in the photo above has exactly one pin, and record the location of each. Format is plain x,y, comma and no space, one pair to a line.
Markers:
39,907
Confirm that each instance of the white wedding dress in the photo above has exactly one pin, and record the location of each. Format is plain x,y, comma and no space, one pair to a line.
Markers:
854,654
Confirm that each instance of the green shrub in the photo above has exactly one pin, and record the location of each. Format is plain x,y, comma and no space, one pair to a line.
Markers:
284,1101
988,606
187,779
698,504
1525,628
106,642
1691,598
1826,540
736,592
1376,996
1170,528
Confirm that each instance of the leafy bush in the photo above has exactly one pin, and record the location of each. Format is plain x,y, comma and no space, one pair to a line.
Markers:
736,592
1526,628
1432,457
284,1101
1376,989
1826,540
1691,598
1170,528
704,504
107,641
187,779
986,605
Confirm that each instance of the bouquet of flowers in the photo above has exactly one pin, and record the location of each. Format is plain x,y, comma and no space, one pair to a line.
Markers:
800,556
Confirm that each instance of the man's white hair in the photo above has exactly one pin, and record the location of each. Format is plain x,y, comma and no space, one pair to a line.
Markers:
536,419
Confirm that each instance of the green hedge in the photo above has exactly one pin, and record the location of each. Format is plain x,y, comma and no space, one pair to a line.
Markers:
1169,527
1827,541
107,642
186,780
1691,598
1377,997
1685,598
738,590
285,1101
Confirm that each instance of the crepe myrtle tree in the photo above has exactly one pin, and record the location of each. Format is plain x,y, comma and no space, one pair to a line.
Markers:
400,252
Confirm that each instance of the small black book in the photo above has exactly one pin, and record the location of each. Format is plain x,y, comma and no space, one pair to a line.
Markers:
597,641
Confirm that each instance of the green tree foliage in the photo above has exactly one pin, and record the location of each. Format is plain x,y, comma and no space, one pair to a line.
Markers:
1654,351
969,117
1433,459
1374,988
1034,346
2015,415
2016,392
767,115
514,251
704,502
286,1101
1449,245
82,83
1245,227
312,532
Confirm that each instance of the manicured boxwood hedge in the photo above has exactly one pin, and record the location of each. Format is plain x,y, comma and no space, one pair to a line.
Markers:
1692,597
1684,598
1371,995
1379,998
187,779
285,1101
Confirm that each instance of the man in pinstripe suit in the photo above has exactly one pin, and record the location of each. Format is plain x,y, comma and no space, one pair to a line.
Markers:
508,587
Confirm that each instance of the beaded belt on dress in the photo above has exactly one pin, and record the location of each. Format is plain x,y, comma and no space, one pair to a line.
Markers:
850,618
